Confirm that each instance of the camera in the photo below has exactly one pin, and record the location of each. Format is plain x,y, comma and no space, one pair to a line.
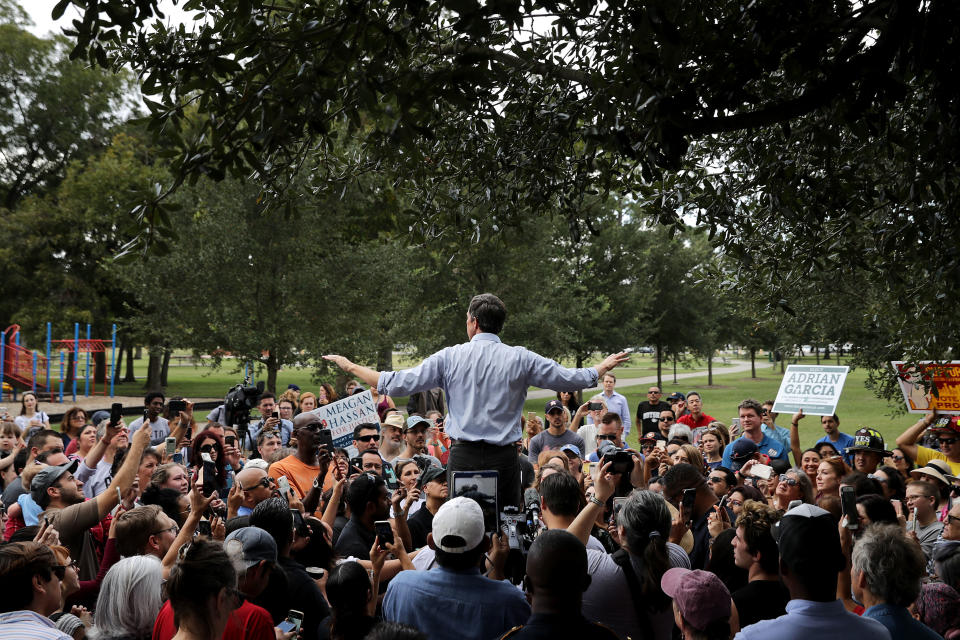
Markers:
237,405
522,527
609,452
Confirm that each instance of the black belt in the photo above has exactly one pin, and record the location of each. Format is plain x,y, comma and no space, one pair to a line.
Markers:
480,444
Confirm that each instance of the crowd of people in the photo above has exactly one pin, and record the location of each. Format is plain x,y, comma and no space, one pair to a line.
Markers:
178,526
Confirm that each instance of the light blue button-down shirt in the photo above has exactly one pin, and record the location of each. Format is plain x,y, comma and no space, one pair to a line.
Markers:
617,403
806,619
486,384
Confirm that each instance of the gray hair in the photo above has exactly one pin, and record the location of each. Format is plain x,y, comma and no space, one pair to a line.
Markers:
892,564
129,599
680,431
806,487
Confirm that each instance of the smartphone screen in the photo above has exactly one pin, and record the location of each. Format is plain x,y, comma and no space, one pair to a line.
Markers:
689,499
662,444
293,621
284,485
848,506
209,475
482,486
325,439
230,440
171,444
178,458
384,532
116,412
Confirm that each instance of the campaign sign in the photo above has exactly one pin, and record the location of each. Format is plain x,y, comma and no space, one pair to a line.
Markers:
343,415
927,385
813,388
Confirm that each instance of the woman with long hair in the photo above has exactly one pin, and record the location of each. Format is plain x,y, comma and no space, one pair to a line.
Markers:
171,476
308,402
350,594
569,400
326,394
810,463
203,591
712,445
211,443
829,474
30,415
84,442
689,454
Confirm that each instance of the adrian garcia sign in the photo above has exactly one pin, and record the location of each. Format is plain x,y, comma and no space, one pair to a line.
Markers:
927,385
813,388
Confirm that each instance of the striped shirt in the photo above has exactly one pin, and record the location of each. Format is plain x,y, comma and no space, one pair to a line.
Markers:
29,625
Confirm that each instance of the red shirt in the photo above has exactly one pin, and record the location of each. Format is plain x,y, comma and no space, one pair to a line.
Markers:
249,622
690,422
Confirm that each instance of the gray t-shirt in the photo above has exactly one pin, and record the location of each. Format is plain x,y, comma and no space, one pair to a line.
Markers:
159,429
546,440
608,584
927,536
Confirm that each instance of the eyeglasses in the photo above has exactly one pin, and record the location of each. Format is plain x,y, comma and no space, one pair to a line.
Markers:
665,418
653,393
715,479
264,482
606,436
951,518
369,438
175,528
790,481
764,412
897,458
947,440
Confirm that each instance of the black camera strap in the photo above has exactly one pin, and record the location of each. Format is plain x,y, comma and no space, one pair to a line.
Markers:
622,559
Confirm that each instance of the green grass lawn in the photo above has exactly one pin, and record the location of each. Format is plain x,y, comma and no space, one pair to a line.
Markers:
858,406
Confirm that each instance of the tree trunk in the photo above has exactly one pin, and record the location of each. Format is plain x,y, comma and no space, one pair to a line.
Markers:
118,364
753,362
826,352
138,354
154,365
130,376
710,369
674,368
165,367
71,371
659,366
782,359
272,369
385,358
100,367
816,352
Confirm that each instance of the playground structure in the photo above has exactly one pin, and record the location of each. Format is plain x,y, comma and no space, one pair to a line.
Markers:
29,370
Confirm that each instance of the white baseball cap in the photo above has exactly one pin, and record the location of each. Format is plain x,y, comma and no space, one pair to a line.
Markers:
458,525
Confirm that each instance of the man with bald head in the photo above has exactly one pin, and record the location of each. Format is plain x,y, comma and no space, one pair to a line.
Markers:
556,579
256,486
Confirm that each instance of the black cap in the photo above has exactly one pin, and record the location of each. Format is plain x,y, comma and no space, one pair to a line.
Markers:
676,395
430,474
869,440
808,535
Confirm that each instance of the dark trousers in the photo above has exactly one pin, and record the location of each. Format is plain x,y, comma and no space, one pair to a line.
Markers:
482,456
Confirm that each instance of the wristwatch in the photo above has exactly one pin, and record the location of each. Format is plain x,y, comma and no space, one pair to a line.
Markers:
595,501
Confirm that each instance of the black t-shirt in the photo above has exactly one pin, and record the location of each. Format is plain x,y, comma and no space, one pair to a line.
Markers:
648,415
761,600
304,595
420,524
355,540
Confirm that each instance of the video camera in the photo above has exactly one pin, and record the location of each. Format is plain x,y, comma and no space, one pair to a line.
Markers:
237,405
522,527
621,459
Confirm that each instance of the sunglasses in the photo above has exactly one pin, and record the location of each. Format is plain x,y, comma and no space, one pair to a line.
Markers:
790,481
947,440
715,479
207,448
897,458
368,438
665,419
608,436
264,482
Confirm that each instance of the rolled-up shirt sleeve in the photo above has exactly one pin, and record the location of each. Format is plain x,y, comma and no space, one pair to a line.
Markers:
426,375
547,374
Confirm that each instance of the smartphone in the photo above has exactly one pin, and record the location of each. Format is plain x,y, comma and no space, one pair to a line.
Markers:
209,474
175,407
384,532
662,445
848,507
916,522
325,439
482,487
735,429
531,415
292,622
203,528
230,440
595,406
116,412
276,414
284,485
298,523
390,476
764,471
586,468
689,499
171,444
617,505
723,502
178,458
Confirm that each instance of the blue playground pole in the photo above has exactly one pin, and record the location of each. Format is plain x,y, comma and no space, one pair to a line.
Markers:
34,385
61,376
48,360
76,358
113,356
86,378
253,373
3,351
